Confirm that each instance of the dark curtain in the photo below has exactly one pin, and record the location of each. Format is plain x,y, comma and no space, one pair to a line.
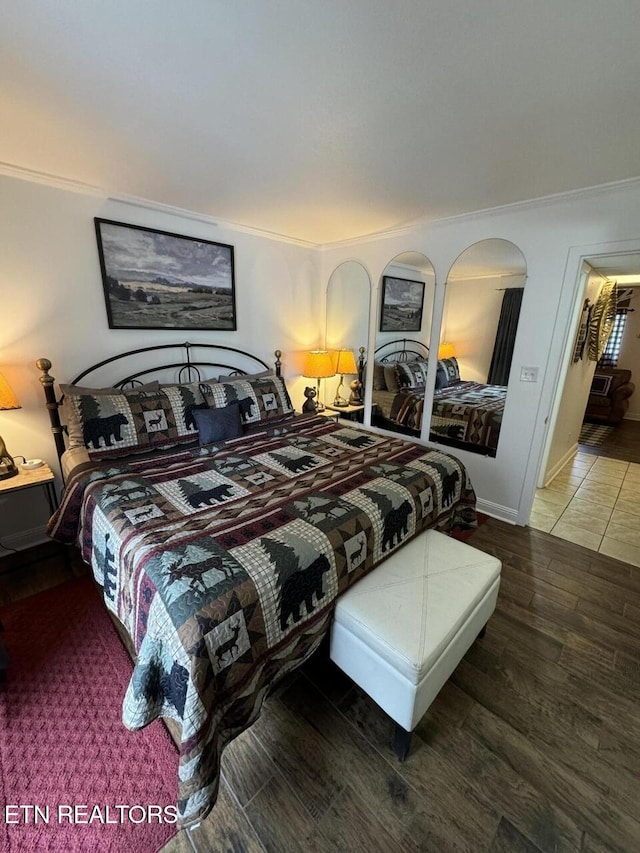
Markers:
505,336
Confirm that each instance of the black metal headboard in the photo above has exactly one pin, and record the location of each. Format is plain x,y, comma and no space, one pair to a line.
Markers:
185,360
401,349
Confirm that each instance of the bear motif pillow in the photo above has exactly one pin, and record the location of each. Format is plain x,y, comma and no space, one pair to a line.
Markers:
262,399
451,369
412,374
119,424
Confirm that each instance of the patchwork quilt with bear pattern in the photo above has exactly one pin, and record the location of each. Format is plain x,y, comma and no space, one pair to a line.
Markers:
223,563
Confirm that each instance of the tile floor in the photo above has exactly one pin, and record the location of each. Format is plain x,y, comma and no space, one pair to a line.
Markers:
595,502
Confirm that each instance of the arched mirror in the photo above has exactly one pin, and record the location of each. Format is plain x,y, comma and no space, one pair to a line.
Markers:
348,299
405,310
484,291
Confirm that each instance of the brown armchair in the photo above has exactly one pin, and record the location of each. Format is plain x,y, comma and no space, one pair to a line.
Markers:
609,397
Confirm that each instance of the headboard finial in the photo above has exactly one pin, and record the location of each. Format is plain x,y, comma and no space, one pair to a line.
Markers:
47,381
44,365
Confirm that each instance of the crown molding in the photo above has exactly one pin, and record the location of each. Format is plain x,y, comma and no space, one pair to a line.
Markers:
388,234
59,182
184,213
528,204
48,180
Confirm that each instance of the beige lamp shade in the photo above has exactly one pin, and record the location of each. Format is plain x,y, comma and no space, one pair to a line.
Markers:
346,362
318,364
446,350
8,399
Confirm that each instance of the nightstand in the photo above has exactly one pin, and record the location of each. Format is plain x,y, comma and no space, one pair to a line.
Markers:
42,476
349,413
326,413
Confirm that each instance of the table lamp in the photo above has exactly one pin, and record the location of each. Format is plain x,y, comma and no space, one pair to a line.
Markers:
346,363
446,350
318,365
7,401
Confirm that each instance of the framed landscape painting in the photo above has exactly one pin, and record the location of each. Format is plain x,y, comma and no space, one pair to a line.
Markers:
157,280
401,308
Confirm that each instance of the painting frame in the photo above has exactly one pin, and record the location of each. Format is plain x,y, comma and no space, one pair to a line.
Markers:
154,279
398,311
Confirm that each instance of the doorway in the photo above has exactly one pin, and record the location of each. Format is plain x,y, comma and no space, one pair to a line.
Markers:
589,485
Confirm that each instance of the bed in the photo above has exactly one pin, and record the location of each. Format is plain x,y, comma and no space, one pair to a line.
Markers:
466,415
223,560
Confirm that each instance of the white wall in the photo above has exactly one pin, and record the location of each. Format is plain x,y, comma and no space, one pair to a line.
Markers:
53,306
554,236
570,414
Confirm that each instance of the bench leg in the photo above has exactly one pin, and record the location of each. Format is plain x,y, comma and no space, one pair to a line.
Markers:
401,742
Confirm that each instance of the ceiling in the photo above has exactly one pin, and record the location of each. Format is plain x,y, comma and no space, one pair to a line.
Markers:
323,120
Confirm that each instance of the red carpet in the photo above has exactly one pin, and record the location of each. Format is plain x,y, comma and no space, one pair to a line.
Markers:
62,743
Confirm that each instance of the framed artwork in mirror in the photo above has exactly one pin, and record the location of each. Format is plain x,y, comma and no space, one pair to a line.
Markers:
157,280
401,304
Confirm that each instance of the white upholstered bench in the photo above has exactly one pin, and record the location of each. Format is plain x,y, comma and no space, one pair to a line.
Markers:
401,631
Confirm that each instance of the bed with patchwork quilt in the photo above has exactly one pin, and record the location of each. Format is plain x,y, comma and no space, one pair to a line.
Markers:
465,414
223,562
470,414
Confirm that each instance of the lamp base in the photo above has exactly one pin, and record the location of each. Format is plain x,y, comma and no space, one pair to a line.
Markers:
7,469
340,403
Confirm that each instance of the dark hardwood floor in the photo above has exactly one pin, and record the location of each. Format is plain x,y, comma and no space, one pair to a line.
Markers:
623,443
533,744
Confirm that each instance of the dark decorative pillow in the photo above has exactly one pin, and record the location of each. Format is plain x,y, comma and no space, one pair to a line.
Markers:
452,370
601,384
218,424
391,378
115,425
442,380
412,374
378,377
260,400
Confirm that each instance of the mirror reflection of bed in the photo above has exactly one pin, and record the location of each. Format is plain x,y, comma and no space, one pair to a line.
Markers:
397,407
484,290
